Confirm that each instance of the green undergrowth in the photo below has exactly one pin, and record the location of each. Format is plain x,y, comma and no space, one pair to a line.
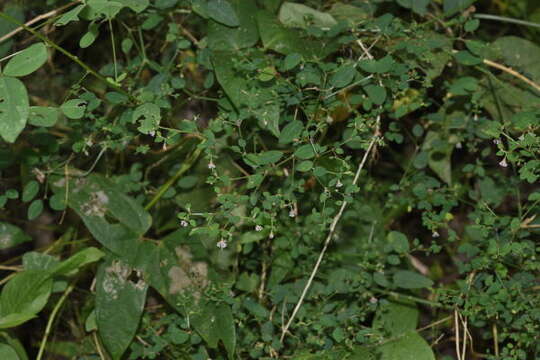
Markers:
241,179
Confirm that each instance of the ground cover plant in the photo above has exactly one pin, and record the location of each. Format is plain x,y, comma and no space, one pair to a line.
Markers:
241,179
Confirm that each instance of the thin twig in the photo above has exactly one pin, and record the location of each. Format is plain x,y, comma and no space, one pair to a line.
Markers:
512,72
330,233
52,317
37,19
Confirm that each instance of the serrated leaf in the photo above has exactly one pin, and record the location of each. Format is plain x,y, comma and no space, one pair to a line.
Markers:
406,279
14,108
119,305
222,12
27,61
11,235
43,116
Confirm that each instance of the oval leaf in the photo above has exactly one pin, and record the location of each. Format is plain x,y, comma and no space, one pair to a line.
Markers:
27,61
14,108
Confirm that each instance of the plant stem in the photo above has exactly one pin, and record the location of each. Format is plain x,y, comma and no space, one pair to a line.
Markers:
52,317
68,54
185,167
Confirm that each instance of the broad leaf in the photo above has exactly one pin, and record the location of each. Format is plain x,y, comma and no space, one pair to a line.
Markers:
407,347
299,15
14,108
397,317
406,279
11,235
214,323
225,38
43,116
222,12
27,61
119,305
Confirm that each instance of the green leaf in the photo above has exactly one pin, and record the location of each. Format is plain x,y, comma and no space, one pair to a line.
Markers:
222,12
224,38
270,157
305,165
214,323
440,155
90,36
119,305
407,347
305,152
71,15
291,131
11,235
418,6
8,353
269,118
398,241
406,279
34,260
86,256
94,196
464,57
343,76
30,190
135,5
286,41
376,93
450,7
14,108
377,66
23,297
74,108
148,116
43,116
35,209
302,16
521,54
27,61
396,317
291,61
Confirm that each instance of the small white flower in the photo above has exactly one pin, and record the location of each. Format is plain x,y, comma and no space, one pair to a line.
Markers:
258,228
503,163
271,236
152,133
496,141
435,234
339,184
521,137
211,165
222,244
458,145
373,300
292,213
183,223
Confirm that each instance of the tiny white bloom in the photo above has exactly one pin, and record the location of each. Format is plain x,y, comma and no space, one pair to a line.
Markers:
503,163
258,228
435,234
211,165
339,184
458,145
373,300
271,236
521,137
292,213
496,141
222,244
183,223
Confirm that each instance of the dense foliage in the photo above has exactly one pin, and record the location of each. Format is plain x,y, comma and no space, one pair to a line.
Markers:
241,179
